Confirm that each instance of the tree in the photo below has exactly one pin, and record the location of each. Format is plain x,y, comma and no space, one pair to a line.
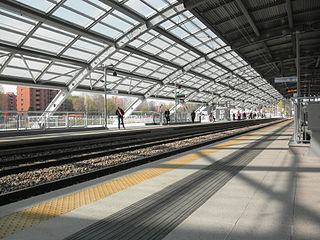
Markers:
3,99
111,107
145,109
78,103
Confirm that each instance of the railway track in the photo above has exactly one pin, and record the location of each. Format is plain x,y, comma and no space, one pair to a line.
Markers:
119,147
70,155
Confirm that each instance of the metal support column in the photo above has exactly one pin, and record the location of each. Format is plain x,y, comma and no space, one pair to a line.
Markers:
175,101
105,99
297,114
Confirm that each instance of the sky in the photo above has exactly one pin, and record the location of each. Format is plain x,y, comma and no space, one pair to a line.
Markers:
9,88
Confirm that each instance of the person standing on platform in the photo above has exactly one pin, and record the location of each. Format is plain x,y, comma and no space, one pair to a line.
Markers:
120,114
167,115
193,116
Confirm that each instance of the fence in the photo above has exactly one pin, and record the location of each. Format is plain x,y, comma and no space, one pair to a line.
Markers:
29,120
26,120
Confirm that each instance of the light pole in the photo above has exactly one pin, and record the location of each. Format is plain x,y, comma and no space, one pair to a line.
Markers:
105,98
105,94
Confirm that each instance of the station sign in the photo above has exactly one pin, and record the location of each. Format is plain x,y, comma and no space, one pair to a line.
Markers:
285,79
180,96
112,91
292,90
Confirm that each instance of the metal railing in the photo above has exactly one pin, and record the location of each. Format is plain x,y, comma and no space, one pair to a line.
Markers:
30,120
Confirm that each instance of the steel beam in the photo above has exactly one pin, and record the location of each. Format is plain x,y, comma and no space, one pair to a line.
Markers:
136,103
36,54
191,48
248,17
23,10
289,12
126,11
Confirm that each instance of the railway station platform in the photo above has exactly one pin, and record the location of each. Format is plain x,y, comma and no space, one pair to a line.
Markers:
247,187
53,135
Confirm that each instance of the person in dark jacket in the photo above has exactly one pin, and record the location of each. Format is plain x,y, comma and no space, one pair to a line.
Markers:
193,116
167,115
120,114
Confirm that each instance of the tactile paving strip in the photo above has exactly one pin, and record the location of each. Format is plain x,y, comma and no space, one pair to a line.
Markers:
155,216
26,218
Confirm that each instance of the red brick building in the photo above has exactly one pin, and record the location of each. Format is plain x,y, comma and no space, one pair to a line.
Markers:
34,99
12,101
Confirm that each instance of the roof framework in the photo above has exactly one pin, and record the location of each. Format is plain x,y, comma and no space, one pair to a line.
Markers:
264,33
153,45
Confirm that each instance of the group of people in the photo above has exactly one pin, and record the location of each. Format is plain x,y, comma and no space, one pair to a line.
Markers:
120,114
167,115
251,115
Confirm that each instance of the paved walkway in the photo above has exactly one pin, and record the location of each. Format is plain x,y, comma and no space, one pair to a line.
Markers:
247,187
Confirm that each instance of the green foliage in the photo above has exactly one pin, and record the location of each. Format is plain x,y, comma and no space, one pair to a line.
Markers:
145,109
111,106
281,104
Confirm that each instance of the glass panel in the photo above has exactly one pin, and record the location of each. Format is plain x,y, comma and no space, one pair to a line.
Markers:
129,19
117,23
77,54
167,56
126,67
53,34
72,17
84,7
41,5
157,4
104,30
88,46
140,7
10,37
43,45
151,49
179,32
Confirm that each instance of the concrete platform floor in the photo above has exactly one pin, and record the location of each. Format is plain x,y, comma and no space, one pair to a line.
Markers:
272,194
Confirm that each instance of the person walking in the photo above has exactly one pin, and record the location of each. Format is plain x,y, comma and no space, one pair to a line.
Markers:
120,114
193,116
167,115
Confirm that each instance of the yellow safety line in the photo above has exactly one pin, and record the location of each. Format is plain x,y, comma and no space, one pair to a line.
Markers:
34,215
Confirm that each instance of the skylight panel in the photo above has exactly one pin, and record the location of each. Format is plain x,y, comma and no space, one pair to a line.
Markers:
167,24
140,7
179,32
105,30
160,43
151,49
42,5
10,37
125,17
117,23
167,55
72,17
88,46
180,61
134,60
84,7
176,51
193,41
157,4
143,71
126,66
53,34
77,54
43,45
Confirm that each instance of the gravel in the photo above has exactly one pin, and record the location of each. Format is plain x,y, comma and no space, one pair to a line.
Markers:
31,178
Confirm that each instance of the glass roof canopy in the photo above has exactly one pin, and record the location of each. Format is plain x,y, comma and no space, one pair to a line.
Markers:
154,45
